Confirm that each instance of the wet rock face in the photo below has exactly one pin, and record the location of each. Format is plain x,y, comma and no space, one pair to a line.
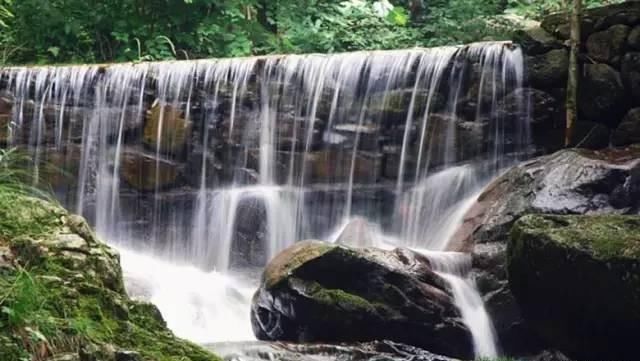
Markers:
318,292
577,281
250,246
567,182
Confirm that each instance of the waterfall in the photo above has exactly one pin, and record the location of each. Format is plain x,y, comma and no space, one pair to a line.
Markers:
214,166
454,268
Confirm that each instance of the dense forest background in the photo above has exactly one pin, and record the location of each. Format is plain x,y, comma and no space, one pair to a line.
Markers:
73,31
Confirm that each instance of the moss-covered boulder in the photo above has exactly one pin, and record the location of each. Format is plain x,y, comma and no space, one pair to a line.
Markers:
62,295
577,281
319,292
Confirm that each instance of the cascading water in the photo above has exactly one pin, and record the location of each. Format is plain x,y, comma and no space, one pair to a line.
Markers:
454,268
214,166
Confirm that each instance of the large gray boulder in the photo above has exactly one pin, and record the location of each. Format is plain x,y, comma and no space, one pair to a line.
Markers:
319,292
567,182
577,282
571,181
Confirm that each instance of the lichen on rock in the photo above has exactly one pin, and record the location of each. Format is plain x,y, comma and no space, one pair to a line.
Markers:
62,294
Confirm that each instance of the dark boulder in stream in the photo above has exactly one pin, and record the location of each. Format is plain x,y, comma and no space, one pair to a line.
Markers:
319,292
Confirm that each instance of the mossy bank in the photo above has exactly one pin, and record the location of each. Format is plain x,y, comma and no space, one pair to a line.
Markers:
62,295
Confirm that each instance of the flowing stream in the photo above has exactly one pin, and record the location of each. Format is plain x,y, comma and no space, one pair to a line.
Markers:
202,171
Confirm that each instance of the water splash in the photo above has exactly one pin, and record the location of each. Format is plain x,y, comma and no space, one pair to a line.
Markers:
200,306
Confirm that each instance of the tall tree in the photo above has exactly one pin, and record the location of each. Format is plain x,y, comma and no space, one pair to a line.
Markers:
572,81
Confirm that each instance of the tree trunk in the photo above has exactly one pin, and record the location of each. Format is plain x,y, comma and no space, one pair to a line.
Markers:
572,82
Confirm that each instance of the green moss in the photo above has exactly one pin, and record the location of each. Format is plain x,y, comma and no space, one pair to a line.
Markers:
604,236
63,292
341,299
23,216
338,298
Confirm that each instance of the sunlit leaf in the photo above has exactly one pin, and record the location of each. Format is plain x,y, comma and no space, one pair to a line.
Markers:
398,16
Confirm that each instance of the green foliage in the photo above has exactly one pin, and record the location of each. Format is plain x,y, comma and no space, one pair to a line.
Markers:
23,309
350,25
463,21
536,9
62,31
5,13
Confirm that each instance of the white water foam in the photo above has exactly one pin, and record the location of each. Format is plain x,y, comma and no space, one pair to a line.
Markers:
200,306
